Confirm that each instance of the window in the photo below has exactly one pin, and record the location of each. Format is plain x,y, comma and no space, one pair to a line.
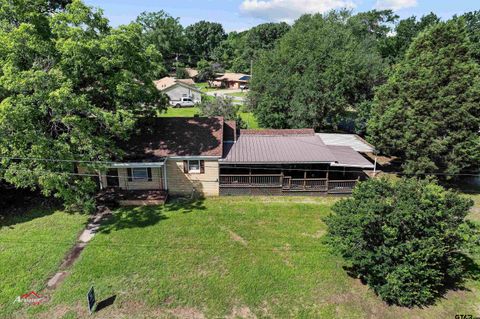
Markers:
194,166
139,174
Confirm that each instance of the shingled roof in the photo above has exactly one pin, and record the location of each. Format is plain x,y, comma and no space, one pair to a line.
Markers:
176,136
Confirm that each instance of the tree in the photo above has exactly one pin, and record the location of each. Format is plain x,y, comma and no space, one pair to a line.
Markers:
405,32
472,21
164,32
203,37
67,94
428,113
221,106
316,73
181,73
205,71
405,239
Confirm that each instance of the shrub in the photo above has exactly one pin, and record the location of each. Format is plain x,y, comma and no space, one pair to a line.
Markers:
403,238
221,106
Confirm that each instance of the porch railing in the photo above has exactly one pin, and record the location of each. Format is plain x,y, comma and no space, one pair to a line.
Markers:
251,180
289,184
341,187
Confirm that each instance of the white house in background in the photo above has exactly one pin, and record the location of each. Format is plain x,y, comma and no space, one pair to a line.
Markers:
181,92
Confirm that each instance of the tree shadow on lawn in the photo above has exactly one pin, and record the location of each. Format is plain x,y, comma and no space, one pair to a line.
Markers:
145,216
26,215
185,205
472,272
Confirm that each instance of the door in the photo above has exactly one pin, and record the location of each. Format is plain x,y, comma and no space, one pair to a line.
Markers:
112,178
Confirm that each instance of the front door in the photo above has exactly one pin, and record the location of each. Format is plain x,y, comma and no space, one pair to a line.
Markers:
112,178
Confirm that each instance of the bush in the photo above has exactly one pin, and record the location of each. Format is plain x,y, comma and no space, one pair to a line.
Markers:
403,238
221,106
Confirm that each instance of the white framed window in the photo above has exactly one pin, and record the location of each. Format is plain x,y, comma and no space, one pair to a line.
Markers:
194,166
139,174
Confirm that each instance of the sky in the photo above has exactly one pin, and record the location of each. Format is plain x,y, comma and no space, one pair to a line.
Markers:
240,15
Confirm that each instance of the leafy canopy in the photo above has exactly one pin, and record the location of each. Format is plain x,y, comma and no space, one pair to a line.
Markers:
164,32
67,93
221,106
428,113
405,239
316,73
202,39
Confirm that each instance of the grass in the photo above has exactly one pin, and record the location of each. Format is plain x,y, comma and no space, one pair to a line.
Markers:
248,117
227,257
180,112
203,86
31,248
237,94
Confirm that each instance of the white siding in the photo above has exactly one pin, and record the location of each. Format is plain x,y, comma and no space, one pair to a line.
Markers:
176,92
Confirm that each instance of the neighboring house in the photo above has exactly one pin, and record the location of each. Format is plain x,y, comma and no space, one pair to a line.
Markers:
232,80
176,89
210,157
192,73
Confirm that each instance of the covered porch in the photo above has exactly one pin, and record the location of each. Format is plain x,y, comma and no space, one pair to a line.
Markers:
311,179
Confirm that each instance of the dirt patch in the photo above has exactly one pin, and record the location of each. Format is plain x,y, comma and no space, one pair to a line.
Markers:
318,234
236,237
186,313
241,312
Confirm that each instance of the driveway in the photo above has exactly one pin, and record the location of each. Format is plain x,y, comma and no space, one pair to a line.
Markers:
226,92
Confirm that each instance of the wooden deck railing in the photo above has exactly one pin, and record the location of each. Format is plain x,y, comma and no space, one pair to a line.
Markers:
251,180
289,184
341,187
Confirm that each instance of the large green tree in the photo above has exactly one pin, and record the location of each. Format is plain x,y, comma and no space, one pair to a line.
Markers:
317,72
404,33
202,39
164,32
428,113
67,93
406,239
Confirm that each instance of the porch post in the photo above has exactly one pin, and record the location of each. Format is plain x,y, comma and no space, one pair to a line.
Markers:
250,176
165,184
304,179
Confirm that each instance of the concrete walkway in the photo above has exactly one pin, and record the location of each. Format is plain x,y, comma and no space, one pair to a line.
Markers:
87,234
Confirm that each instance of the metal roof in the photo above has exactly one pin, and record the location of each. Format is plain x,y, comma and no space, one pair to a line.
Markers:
290,149
347,156
258,149
352,140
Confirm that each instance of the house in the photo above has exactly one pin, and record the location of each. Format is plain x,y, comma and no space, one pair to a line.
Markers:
210,157
232,80
176,89
286,162
192,73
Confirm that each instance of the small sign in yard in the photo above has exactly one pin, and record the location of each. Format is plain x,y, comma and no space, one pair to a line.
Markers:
91,300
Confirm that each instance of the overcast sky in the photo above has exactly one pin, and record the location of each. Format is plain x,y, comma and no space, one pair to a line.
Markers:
239,15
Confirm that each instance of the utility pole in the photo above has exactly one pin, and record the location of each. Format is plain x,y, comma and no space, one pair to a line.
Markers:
251,68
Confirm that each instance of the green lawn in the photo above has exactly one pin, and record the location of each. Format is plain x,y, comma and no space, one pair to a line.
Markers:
226,256
32,246
248,117
203,86
237,94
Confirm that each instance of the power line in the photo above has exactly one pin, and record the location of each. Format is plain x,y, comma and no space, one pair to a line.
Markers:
225,166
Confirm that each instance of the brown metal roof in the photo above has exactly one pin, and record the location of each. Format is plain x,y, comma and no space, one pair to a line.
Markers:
289,147
176,136
258,149
347,156
273,132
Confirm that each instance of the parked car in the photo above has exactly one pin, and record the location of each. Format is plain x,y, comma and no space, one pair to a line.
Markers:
183,102
244,87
